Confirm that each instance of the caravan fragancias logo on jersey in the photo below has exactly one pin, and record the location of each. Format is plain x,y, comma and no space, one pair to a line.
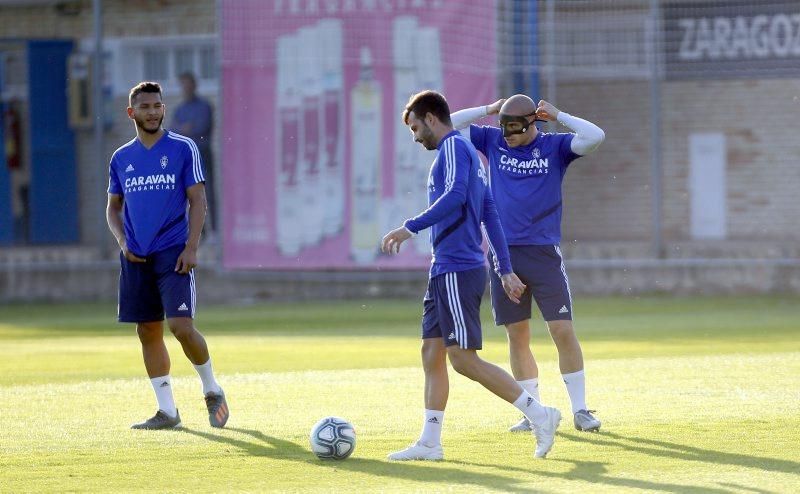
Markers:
534,166
164,162
150,182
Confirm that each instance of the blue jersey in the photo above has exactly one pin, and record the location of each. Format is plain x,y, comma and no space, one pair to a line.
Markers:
459,201
153,184
526,182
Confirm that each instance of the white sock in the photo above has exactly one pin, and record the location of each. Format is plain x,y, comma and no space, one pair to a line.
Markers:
163,388
207,376
531,408
432,428
532,387
576,387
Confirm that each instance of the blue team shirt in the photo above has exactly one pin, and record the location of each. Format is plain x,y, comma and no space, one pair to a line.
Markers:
526,182
153,183
459,201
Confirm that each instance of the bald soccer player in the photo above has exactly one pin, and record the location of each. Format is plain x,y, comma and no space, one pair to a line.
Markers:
526,169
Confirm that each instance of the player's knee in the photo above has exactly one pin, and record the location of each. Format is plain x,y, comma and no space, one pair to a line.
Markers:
462,362
561,330
148,332
181,329
518,336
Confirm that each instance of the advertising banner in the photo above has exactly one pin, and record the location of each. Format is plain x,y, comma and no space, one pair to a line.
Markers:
317,164
736,39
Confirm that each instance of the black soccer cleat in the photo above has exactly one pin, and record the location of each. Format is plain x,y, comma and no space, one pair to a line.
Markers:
160,421
217,409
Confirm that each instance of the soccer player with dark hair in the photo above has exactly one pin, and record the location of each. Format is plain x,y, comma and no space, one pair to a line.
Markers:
526,168
152,180
460,201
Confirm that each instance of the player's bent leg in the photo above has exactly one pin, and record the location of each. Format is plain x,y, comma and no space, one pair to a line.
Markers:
545,420
466,362
196,350
192,342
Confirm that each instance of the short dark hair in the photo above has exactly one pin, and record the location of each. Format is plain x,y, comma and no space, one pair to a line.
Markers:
143,87
188,76
426,102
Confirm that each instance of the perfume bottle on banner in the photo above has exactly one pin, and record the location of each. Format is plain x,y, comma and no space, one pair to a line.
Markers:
404,60
311,117
365,189
332,126
287,151
428,76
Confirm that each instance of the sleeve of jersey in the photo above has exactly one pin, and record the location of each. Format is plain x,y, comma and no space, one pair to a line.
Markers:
565,148
477,135
495,236
114,186
456,162
193,173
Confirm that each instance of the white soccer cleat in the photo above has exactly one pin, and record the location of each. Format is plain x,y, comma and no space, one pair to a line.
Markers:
524,425
418,451
545,434
585,421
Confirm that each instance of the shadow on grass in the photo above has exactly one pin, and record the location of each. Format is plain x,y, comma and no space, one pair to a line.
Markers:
683,452
281,449
596,472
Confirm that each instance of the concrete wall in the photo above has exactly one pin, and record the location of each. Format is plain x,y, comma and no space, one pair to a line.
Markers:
97,280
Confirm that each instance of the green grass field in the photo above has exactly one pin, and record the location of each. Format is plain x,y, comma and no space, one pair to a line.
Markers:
696,395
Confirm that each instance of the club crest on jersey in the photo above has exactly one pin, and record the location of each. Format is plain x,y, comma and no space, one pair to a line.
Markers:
536,154
164,162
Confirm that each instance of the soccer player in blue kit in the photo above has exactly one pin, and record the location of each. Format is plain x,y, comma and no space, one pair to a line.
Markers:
459,202
152,178
526,168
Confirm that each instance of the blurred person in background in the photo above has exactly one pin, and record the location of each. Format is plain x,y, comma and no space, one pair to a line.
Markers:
526,169
156,184
19,172
194,118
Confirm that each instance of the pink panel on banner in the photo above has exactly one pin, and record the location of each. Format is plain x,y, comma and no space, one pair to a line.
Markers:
317,163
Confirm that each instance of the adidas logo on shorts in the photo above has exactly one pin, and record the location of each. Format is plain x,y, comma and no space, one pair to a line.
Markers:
563,309
452,336
183,307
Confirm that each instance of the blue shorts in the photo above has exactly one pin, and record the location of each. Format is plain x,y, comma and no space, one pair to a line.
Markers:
452,308
149,290
541,268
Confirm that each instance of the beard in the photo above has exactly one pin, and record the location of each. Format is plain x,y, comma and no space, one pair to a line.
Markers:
140,124
427,139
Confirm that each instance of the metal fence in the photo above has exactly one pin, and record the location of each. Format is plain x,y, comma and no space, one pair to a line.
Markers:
698,100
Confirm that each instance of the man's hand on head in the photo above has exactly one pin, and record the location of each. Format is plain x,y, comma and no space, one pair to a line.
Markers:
546,111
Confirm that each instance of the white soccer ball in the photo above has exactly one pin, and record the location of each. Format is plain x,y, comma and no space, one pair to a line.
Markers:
333,438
